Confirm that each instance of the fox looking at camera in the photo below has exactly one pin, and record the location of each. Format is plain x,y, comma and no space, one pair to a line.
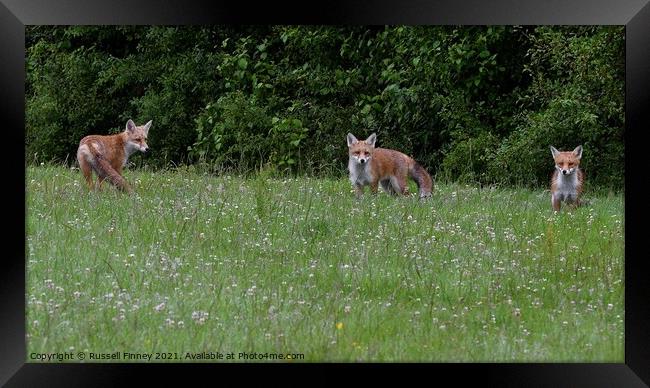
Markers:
568,178
370,166
107,155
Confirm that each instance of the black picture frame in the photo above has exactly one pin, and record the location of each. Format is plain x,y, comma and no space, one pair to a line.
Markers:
633,14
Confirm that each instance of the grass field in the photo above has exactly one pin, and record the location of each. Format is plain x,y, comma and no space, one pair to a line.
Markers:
198,263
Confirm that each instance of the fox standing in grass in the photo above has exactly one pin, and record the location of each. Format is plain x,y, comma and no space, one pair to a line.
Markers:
566,184
107,155
370,166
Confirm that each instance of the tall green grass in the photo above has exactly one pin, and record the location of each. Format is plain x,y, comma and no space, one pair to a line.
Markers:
195,263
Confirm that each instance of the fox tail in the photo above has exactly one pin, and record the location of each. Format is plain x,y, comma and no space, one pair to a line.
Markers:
422,179
105,171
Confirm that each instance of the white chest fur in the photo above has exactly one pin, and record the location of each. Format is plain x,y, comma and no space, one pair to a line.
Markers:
359,173
129,148
567,186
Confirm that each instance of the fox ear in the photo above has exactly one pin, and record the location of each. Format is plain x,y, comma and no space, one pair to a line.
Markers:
578,151
554,152
130,125
372,139
146,128
352,139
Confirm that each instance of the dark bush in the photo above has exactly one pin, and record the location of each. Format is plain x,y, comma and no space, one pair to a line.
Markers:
476,104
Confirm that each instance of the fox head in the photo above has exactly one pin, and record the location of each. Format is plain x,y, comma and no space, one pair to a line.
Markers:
567,162
361,151
137,136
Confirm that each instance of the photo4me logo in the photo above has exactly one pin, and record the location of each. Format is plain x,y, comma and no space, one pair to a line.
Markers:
252,356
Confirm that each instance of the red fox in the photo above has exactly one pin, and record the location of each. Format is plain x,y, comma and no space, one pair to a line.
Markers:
107,155
370,166
566,183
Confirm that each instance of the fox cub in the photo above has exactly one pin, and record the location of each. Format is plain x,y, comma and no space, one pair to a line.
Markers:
370,166
107,155
567,180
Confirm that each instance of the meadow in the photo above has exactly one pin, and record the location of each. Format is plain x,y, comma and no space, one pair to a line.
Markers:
202,263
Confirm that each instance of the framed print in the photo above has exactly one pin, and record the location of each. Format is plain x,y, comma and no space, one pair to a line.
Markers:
190,201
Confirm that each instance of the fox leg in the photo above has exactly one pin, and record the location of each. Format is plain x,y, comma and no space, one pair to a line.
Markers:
386,185
577,202
555,201
574,204
105,171
373,187
358,191
399,185
87,172
87,166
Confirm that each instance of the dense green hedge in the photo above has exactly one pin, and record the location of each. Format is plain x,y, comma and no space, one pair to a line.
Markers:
475,104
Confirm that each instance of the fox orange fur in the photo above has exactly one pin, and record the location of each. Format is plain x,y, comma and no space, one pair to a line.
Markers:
568,178
370,166
107,155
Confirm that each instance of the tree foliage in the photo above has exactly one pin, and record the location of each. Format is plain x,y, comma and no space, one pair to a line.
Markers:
479,104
